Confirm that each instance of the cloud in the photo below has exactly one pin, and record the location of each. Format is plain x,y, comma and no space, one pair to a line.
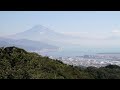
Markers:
87,35
75,33
95,39
116,31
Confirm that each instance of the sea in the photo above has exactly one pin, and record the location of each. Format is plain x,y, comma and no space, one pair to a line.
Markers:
80,51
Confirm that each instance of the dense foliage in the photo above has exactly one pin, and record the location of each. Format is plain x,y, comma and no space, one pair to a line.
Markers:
16,63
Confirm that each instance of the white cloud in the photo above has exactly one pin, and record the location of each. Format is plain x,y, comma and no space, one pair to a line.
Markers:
116,31
75,33
87,35
95,39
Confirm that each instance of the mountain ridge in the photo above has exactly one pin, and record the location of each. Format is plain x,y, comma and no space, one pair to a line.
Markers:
26,44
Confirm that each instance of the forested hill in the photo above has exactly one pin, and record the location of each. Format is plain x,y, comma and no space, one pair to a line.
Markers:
16,63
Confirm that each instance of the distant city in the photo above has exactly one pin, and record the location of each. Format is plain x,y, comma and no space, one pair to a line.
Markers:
98,60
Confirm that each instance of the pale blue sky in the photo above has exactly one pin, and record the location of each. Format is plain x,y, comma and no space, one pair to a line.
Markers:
61,21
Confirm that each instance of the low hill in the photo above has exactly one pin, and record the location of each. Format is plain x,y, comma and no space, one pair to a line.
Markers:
16,63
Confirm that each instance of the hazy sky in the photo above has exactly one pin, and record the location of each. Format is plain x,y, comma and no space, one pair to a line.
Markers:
74,22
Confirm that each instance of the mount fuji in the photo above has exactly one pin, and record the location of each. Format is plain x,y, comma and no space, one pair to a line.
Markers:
42,34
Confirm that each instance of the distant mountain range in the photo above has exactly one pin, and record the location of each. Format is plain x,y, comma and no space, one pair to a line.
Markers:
26,44
109,53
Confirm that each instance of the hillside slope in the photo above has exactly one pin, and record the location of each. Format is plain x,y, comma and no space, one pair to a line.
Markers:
16,63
